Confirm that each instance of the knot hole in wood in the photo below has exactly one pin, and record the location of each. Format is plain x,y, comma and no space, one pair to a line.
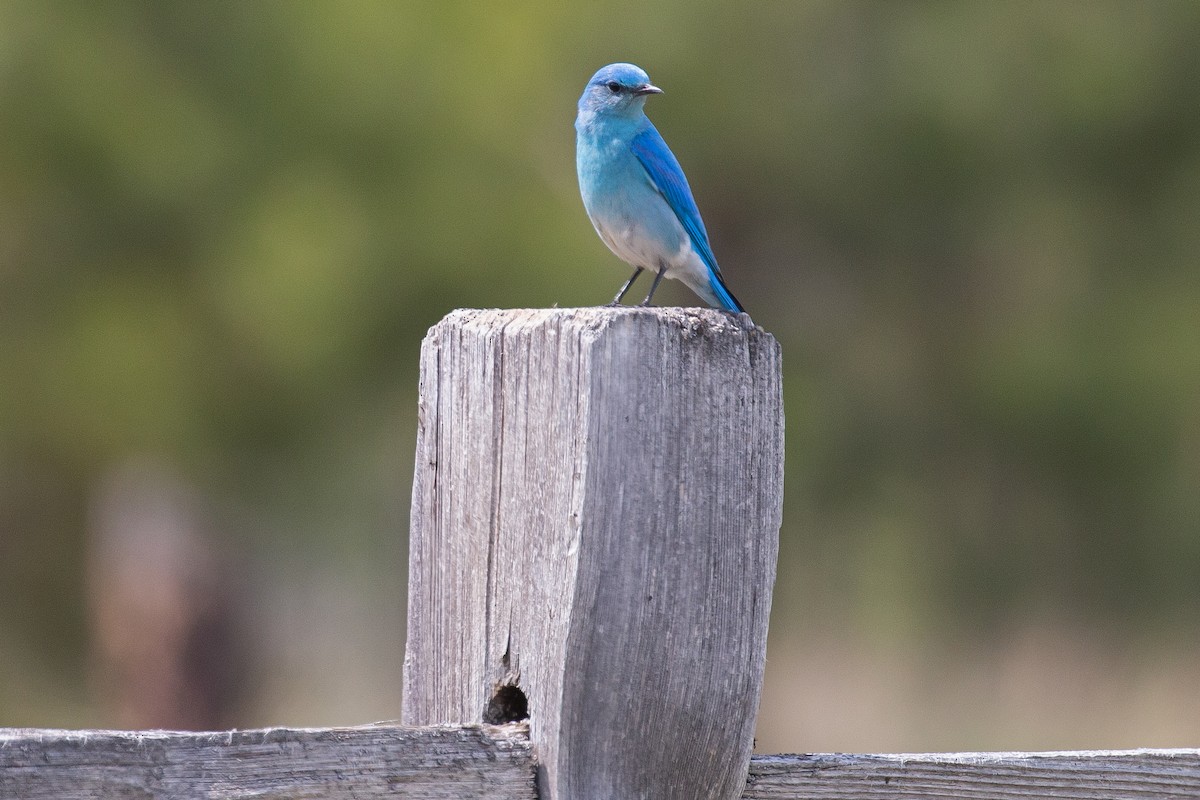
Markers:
508,704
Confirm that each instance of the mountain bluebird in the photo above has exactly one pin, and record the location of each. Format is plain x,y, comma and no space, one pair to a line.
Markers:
634,191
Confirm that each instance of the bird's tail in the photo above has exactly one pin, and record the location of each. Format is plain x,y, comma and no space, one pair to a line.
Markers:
724,297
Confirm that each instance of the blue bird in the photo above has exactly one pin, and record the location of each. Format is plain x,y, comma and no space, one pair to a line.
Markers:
635,192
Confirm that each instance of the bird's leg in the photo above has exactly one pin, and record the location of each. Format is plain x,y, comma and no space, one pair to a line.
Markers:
616,301
661,271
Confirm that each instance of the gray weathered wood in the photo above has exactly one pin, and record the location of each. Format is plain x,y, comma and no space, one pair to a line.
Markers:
492,763
495,763
1088,775
596,508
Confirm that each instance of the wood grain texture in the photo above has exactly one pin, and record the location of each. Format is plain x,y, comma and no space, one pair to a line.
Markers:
1090,775
275,763
480,762
595,519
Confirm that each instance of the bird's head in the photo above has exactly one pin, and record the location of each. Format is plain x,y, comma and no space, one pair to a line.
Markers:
618,89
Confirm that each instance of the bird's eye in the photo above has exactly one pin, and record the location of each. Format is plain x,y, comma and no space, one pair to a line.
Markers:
614,87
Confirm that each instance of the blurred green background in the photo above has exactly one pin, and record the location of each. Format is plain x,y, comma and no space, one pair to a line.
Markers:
975,228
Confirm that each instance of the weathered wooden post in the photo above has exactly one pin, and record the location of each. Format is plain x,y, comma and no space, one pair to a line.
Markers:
596,509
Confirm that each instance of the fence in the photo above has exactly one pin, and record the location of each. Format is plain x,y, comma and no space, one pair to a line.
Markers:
596,507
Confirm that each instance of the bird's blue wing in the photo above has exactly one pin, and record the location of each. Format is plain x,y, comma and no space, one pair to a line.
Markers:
667,176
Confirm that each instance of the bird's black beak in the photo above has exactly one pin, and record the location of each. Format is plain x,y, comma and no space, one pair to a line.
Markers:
647,88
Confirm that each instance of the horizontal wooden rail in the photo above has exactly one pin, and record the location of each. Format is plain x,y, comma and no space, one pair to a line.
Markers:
494,762
435,763
1082,775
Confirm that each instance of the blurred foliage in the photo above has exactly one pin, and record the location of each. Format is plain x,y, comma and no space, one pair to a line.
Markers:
975,227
